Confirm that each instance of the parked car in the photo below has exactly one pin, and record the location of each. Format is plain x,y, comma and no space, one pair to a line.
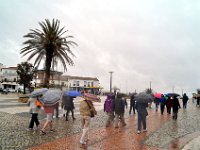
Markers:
11,90
5,91
1,90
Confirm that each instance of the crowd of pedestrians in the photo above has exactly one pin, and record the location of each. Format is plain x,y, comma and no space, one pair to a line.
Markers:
114,107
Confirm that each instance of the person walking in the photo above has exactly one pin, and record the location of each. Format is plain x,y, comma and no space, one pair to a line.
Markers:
56,110
68,105
142,113
185,100
119,107
49,110
176,106
87,111
108,108
156,101
35,106
162,104
169,104
198,100
132,104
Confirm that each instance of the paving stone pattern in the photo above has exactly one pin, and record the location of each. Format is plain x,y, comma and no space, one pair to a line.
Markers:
161,132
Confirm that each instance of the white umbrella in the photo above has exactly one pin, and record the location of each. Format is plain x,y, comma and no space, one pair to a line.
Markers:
51,97
38,92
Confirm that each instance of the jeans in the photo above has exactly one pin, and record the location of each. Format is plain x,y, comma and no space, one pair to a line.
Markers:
132,107
162,108
157,105
119,117
110,118
184,105
67,113
34,119
169,109
141,121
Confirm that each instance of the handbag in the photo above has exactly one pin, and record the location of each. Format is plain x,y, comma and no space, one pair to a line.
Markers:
91,112
38,103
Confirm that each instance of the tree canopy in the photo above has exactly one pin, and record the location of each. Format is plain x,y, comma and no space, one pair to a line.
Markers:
25,71
49,44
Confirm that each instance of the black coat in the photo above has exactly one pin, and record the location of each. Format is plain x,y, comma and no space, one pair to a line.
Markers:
132,100
175,104
142,108
185,98
119,105
67,102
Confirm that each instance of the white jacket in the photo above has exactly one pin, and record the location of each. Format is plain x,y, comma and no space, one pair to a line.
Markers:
33,108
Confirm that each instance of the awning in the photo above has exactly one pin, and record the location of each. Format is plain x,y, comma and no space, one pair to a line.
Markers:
9,83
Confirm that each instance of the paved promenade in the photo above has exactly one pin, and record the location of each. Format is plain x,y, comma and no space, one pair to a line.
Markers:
163,133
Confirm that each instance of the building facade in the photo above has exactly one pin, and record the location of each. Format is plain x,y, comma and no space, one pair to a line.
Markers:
67,82
39,76
89,84
9,78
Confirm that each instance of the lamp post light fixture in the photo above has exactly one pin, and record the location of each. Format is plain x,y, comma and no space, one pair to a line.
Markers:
111,72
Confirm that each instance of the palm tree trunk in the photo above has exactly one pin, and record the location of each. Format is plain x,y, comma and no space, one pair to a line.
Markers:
24,89
49,56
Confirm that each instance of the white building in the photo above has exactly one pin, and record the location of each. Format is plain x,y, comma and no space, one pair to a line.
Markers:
9,78
90,84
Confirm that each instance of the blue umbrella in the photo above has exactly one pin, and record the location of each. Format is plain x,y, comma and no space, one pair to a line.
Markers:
73,93
38,92
51,97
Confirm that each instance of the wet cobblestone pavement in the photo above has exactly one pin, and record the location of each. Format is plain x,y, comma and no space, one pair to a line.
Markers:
163,132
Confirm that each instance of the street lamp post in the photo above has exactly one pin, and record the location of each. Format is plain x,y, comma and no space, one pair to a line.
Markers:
150,86
111,72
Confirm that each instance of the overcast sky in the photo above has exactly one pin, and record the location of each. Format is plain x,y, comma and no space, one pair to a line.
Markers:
141,41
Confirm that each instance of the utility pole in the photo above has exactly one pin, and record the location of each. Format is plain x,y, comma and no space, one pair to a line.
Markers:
150,86
111,72
126,87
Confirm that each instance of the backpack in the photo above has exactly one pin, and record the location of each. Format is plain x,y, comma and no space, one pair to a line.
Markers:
38,103
108,105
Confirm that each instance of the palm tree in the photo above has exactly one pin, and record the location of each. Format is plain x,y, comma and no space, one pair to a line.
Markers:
48,44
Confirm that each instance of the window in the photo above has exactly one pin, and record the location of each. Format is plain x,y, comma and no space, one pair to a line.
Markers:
85,83
74,83
77,83
88,84
92,84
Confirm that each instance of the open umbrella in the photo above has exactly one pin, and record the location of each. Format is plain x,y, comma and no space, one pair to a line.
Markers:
157,95
91,97
38,92
51,97
143,97
73,93
173,94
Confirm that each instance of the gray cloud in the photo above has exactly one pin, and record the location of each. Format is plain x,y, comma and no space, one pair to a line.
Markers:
141,41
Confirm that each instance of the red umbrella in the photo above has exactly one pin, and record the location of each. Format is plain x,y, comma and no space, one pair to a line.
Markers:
158,95
91,97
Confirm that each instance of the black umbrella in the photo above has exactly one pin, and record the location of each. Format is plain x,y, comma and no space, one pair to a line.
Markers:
143,98
173,94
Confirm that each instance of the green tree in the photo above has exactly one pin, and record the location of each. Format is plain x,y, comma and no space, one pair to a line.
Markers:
149,91
25,71
49,44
